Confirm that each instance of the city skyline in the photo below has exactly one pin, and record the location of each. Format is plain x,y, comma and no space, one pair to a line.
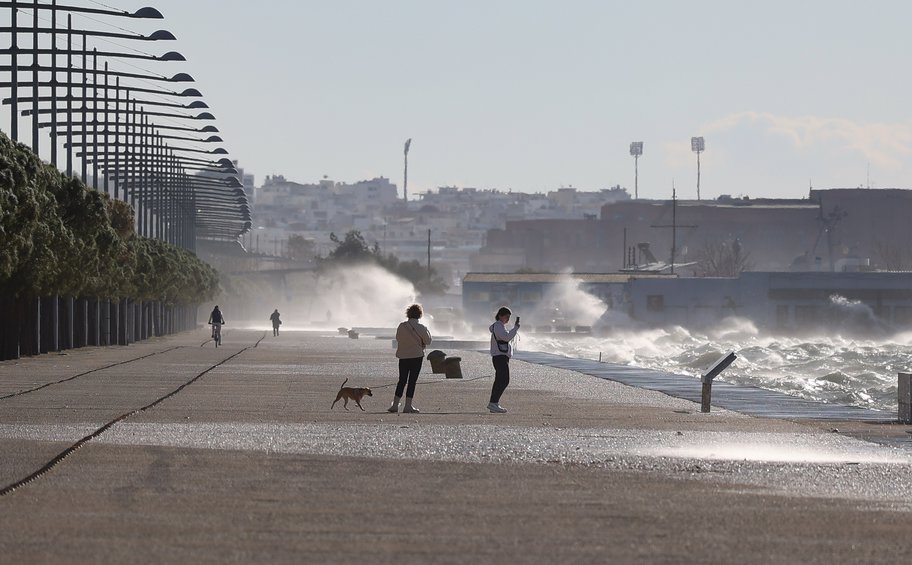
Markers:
535,96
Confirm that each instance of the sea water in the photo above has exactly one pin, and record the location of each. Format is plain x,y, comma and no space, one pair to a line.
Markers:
836,366
841,365
835,369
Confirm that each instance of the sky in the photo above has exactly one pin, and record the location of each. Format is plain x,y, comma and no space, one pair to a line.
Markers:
532,95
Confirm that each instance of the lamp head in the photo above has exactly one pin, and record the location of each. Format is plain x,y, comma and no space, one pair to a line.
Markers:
171,56
161,35
148,14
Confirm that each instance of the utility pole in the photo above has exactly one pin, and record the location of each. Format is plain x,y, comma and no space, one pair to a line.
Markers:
674,226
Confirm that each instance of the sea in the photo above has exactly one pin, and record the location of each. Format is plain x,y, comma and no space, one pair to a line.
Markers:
835,369
853,363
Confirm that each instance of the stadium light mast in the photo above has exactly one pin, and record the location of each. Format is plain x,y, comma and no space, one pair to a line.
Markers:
408,144
636,149
697,145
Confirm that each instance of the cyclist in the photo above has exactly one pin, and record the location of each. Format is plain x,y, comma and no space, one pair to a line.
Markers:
216,320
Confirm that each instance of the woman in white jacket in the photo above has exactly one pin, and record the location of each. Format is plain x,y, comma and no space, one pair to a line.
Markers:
411,339
501,351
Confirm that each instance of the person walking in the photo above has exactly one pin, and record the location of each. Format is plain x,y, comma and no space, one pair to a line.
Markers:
411,339
501,352
276,322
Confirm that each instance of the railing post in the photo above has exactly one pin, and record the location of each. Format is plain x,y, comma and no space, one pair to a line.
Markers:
904,392
709,375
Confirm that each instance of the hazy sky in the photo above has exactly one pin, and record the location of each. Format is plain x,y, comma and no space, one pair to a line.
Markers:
533,95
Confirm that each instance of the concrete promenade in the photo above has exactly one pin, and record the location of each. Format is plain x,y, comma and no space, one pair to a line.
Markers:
247,463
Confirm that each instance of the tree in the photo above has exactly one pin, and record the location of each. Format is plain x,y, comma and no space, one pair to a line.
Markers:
300,249
60,237
892,256
354,249
722,259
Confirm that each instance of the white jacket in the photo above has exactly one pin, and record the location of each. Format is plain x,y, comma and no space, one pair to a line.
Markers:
499,332
411,339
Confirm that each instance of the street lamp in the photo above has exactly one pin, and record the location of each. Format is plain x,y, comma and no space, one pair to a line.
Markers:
15,51
697,145
636,149
152,172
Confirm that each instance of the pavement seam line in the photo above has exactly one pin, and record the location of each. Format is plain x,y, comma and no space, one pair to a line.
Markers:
21,392
47,467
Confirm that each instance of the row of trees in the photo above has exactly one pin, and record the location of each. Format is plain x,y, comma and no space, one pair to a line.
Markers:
58,237
72,270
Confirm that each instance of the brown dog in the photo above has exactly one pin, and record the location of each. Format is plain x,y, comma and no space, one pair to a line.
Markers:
355,394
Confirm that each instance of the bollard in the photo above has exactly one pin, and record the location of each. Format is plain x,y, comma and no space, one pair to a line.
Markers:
904,391
709,375
706,396
452,368
437,358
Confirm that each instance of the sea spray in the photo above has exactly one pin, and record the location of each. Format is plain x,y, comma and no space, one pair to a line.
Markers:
830,366
365,295
353,295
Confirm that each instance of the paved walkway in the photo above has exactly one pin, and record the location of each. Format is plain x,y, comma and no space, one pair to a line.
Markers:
197,454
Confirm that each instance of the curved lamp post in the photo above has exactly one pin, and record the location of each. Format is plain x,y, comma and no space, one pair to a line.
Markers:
14,51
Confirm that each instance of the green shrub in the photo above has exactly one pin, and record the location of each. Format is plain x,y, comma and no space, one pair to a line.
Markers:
59,237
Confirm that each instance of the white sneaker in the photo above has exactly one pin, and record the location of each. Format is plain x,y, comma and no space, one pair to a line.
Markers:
496,408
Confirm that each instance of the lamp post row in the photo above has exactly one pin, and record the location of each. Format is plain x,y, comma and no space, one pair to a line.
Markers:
135,157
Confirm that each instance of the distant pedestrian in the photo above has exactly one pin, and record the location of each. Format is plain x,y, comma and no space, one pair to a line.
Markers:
501,352
276,322
411,339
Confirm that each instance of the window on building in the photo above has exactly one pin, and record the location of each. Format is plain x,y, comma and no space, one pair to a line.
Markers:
530,296
655,302
902,315
782,315
806,316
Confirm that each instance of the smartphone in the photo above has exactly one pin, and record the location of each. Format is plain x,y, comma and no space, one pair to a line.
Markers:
517,319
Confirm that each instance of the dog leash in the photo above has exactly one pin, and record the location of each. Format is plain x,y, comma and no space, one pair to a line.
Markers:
436,382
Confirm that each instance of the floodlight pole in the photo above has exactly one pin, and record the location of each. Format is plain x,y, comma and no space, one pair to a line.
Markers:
636,149
697,145
408,144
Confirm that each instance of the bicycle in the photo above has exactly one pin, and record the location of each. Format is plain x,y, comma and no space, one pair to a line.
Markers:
217,334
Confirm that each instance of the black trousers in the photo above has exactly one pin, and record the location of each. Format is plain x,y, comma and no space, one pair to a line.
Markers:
275,329
501,377
408,373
